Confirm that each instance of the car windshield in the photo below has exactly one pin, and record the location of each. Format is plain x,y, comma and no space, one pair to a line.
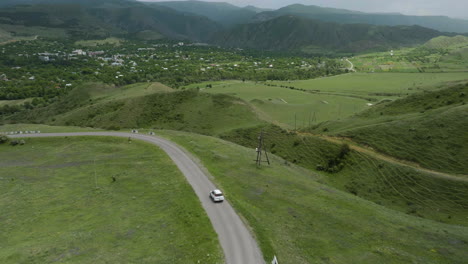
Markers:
218,194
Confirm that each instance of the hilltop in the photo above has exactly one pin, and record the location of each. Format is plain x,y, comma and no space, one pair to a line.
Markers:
426,128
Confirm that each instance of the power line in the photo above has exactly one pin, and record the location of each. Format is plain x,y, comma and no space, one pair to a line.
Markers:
261,149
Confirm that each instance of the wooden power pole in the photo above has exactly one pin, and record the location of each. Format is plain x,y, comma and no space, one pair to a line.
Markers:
261,148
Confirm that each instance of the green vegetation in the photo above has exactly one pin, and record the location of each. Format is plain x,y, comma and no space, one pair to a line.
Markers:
60,204
94,43
223,13
393,185
427,128
296,33
43,128
301,220
285,106
96,20
440,54
97,105
376,86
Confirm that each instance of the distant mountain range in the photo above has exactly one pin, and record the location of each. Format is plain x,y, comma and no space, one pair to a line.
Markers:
96,19
441,23
295,27
296,33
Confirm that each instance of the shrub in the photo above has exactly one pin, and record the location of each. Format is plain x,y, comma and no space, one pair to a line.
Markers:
4,139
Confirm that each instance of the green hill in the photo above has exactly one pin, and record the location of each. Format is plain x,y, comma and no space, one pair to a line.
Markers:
88,20
223,13
444,42
59,198
298,218
440,23
101,106
293,33
428,128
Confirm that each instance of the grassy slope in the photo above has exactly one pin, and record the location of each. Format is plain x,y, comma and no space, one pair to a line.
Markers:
377,86
143,106
428,128
43,128
392,185
300,220
281,105
52,212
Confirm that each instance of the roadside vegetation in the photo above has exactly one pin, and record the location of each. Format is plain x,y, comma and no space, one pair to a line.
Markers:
81,200
298,217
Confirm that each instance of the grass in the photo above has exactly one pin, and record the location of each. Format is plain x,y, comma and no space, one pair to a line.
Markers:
44,128
301,220
53,212
109,93
441,54
14,102
376,86
289,108
392,185
144,106
427,128
26,32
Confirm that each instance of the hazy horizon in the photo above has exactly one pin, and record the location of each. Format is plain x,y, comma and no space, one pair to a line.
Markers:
452,8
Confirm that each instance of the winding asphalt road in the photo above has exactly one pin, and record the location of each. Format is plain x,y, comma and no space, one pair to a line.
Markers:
238,244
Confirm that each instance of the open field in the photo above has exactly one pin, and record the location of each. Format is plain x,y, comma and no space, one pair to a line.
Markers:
59,204
304,103
301,220
14,102
376,86
290,108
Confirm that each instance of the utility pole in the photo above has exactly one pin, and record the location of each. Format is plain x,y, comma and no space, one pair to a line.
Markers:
95,175
261,149
295,122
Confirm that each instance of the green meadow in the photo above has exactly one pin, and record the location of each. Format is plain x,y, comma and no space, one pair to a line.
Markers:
298,218
59,203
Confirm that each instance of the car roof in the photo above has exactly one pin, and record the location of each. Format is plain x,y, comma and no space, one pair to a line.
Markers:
217,191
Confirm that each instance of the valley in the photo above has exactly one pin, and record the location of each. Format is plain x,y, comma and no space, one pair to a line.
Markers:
364,121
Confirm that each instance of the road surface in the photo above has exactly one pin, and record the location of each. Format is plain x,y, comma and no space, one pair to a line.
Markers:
238,244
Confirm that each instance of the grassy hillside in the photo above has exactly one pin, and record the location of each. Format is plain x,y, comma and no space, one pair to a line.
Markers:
301,220
59,204
144,106
392,185
376,86
427,128
446,42
440,54
288,107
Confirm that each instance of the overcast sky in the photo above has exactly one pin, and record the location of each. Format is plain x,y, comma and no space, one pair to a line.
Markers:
453,8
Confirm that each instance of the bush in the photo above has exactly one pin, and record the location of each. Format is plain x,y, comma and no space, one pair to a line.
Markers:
4,139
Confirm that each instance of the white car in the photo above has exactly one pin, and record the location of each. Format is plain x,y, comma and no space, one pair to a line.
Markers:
216,195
